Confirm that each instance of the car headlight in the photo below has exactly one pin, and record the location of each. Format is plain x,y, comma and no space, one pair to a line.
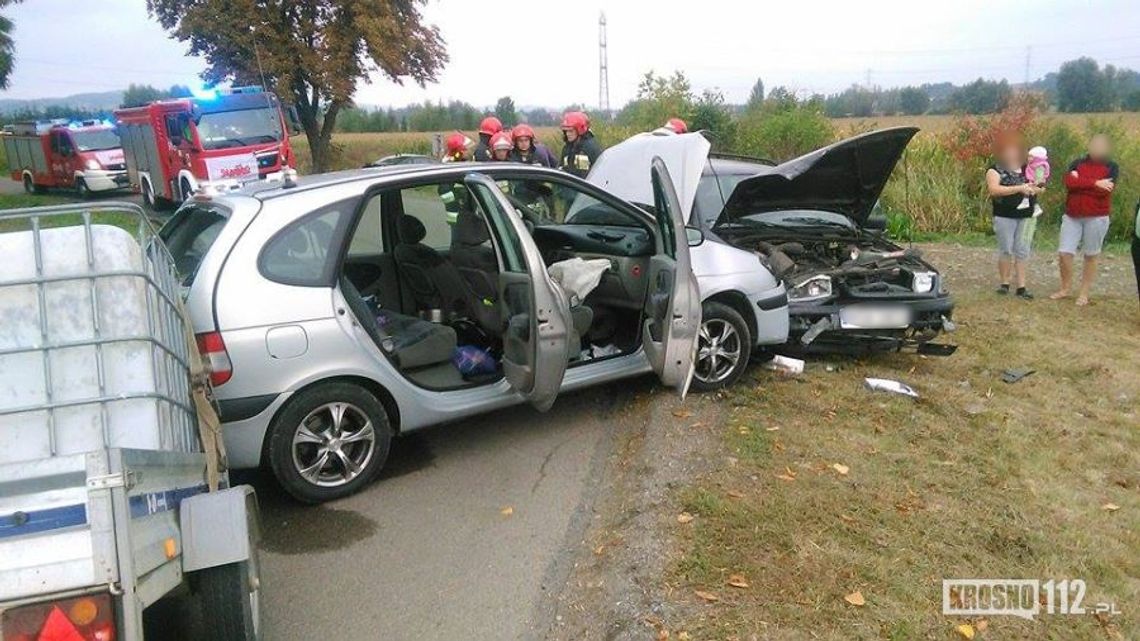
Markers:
814,288
923,282
93,164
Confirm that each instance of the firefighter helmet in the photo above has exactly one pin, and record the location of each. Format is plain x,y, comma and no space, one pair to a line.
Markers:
677,125
522,131
576,120
502,141
457,143
490,126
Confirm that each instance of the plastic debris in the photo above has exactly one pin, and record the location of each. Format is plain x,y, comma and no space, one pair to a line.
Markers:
1015,374
887,385
785,364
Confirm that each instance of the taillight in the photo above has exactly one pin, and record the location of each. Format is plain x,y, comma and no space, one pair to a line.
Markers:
213,349
87,618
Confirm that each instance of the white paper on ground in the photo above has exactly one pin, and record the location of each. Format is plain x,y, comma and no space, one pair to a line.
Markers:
887,385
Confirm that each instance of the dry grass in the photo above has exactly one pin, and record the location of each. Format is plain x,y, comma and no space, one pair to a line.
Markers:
941,123
977,479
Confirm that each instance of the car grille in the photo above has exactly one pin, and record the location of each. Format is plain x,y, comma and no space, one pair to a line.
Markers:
121,166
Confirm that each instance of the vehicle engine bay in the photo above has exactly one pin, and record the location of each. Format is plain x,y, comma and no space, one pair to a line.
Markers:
867,266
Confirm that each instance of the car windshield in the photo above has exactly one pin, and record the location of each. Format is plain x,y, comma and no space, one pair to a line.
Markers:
801,218
712,193
189,235
96,140
222,129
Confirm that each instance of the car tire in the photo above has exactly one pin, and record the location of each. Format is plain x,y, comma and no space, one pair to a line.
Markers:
31,187
329,441
81,189
724,346
184,191
150,199
230,600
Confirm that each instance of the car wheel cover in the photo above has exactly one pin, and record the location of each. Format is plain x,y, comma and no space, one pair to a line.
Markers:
333,444
718,350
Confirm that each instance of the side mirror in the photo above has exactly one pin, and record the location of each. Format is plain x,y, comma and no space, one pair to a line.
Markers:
694,235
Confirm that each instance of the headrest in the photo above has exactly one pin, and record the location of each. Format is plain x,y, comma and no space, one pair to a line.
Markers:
411,230
470,229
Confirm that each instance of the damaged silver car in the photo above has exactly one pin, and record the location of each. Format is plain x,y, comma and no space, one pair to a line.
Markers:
810,219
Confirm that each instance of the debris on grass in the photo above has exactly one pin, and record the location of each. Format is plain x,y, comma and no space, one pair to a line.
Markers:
738,581
965,630
507,510
887,385
685,517
841,468
855,598
1110,507
1015,374
785,365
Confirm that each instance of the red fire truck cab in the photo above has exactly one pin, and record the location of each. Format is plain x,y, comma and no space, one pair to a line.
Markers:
84,156
173,147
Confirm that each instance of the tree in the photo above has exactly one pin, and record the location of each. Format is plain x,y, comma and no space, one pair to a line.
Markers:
179,91
138,95
1083,87
505,111
658,99
981,97
7,45
313,52
913,101
780,99
711,114
756,98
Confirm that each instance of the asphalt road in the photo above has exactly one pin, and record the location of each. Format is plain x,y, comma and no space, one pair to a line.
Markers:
470,533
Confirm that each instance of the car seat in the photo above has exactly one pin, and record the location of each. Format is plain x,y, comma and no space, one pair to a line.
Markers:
410,342
473,256
435,282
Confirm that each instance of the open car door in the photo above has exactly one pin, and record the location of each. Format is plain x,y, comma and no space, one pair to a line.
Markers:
673,306
537,312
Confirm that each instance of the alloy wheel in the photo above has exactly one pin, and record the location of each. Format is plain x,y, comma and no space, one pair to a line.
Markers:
718,350
333,444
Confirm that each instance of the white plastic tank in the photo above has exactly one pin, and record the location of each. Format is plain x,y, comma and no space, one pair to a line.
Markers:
92,352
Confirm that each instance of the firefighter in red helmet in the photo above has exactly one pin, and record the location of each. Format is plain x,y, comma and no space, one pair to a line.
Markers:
456,147
528,150
677,126
488,127
581,149
501,146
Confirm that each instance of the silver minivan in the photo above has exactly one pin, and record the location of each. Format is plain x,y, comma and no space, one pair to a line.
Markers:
340,310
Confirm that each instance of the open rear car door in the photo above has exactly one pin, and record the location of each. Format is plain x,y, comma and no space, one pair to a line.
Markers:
537,312
673,306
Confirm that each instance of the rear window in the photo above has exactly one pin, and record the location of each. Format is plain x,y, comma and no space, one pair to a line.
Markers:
190,233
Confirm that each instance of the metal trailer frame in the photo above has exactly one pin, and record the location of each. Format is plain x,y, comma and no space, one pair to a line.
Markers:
126,521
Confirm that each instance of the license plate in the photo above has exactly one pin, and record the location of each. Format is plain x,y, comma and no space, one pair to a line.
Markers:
874,317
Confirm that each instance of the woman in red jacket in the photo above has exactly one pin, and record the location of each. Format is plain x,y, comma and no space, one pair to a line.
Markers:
1090,182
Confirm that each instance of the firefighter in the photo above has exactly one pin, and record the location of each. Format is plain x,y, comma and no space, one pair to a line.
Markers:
528,150
488,127
501,146
456,148
581,149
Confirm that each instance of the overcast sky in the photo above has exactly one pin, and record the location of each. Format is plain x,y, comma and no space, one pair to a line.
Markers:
546,51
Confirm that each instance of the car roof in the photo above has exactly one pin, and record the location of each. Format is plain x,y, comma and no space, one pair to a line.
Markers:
265,190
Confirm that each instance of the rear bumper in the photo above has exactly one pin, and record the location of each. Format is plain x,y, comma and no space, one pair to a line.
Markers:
244,424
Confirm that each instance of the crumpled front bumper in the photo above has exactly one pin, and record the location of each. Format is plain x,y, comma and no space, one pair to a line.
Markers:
816,326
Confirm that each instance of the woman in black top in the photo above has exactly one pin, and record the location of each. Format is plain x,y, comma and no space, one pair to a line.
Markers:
1013,199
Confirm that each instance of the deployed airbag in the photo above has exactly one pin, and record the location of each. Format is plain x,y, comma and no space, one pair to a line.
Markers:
577,276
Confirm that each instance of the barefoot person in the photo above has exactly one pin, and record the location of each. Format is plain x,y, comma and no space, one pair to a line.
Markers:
1008,187
1136,247
1090,182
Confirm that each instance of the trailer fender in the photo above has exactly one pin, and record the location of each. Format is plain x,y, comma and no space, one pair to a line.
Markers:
219,528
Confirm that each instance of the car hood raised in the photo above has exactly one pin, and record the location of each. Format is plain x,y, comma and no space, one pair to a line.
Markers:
846,177
624,169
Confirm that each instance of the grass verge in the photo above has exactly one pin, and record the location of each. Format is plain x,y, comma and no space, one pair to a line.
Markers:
978,478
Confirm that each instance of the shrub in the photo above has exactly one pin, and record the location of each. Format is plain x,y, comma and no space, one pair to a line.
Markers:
783,134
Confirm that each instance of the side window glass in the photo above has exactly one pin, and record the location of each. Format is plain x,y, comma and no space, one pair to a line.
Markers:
664,218
508,241
305,253
544,202
368,239
436,208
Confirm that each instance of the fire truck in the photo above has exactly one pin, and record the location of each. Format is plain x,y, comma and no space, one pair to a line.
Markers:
219,140
84,156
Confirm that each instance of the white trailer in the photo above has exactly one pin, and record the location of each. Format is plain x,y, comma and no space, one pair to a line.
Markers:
111,497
